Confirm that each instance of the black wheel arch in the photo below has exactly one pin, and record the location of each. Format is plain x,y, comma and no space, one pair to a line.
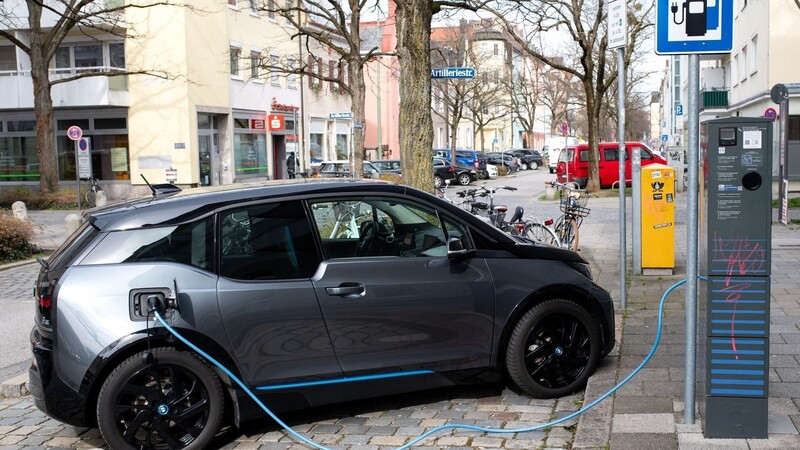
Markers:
122,349
572,293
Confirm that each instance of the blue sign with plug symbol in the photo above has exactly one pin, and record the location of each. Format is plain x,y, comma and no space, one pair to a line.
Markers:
694,26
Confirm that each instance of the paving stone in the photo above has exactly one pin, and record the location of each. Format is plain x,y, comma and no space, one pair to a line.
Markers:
636,423
643,441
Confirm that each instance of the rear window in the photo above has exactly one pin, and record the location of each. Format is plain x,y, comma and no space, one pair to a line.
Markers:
72,247
191,244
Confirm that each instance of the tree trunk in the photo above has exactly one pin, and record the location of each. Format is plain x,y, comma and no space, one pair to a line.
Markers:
416,126
593,121
43,111
357,99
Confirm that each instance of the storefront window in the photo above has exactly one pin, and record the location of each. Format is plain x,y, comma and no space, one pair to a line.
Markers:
110,157
341,146
316,145
250,155
18,160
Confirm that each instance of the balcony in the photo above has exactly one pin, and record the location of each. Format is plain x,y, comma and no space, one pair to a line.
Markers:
89,91
714,100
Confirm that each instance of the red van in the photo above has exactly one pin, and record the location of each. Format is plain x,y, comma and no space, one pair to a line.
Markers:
607,164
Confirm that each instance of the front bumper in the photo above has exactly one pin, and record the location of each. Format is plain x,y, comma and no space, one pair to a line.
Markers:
52,396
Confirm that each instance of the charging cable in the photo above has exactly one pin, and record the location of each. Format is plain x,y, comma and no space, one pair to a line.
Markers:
443,427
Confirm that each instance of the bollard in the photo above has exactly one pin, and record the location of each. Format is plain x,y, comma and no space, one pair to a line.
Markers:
20,210
549,191
100,198
71,223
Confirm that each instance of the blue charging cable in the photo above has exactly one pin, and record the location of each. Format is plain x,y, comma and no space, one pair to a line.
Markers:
443,427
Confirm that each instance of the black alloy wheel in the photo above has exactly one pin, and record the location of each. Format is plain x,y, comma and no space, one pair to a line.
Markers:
174,402
553,349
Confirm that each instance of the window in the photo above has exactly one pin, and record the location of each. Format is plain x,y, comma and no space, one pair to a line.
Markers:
191,244
271,9
375,226
63,58
496,50
267,242
275,76
236,53
254,6
583,156
744,62
255,65
89,56
232,2
116,55
735,70
8,57
249,148
291,78
611,154
754,54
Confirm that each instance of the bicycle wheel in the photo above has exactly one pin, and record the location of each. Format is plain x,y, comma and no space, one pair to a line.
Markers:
567,232
90,198
540,232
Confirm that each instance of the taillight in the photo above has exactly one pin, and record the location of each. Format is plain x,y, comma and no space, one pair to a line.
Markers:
44,303
548,222
451,169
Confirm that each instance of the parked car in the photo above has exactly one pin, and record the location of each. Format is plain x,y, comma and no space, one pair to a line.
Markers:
607,164
341,169
528,159
465,158
491,171
442,171
310,293
553,148
503,159
388,165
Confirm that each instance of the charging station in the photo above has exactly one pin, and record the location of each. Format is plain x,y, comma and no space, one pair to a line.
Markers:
735,256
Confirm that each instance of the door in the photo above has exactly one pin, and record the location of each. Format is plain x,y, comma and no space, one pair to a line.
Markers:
204,150
391,298
608,166
266,298
279,157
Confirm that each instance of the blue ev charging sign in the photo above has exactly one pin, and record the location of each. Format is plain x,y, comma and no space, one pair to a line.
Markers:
694,26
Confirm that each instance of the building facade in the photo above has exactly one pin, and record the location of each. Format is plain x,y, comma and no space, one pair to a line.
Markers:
213,116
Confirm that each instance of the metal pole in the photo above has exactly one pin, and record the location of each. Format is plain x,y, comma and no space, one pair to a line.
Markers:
623,260
380,120
77,175
636,209
693,154
565,130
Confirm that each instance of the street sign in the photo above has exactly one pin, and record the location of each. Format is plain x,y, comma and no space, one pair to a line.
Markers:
564,127
664,137
358,125
341,115
83,149
771,114
74,132
694,26
453,72
617,24
678,110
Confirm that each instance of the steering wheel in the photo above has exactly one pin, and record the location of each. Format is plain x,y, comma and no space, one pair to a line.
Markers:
366,238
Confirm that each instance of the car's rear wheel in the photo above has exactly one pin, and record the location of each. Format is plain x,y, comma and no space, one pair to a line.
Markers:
464,179
523,166
173,402
534,165
553,349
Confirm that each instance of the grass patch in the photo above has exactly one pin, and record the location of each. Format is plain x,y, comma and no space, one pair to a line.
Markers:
793,202
609,193
65,198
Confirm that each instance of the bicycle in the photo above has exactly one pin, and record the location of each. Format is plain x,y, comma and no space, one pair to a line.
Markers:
91,194
573,205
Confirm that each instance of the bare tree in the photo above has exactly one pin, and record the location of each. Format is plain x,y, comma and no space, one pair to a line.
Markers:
47,24
526,92
336,26
452,94
489,101
555,92
585,23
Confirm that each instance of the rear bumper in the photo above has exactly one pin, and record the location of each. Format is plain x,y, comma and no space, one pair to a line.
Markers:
50,394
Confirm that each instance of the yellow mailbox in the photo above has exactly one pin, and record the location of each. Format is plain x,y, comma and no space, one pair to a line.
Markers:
658,219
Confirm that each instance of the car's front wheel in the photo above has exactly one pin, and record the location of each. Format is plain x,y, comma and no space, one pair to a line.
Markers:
464,179
438,181
174,401
534,165
553,349
523,166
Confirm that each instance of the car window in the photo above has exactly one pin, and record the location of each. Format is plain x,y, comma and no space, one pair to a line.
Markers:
191,244
645,154
611,154
267,242
367,226
584,156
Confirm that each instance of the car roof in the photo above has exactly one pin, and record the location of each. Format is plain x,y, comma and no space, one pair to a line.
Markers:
194,203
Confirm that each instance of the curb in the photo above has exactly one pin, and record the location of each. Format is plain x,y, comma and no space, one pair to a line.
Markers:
15,387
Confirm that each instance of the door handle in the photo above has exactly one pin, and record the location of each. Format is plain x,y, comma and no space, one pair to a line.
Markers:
352,290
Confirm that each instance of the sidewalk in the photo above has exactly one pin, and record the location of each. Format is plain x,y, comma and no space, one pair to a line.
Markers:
648,412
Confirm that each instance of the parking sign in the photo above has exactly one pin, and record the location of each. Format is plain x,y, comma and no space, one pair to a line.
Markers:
694,26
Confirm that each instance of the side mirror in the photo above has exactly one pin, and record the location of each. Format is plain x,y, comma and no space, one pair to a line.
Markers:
456,250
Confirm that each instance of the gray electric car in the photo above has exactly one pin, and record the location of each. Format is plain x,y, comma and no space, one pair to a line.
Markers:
311,292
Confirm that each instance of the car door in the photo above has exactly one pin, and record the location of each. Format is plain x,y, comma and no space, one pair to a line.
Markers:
608,166
266,297
401,304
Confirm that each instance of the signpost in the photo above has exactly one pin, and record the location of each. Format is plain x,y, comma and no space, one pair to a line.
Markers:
618,39
74,133
453,72
693,27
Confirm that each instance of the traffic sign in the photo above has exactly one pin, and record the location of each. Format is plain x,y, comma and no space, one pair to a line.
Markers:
74,132
83,150
564,127
341,115
664,137
694,26
617,24
771,114
679,110
453,72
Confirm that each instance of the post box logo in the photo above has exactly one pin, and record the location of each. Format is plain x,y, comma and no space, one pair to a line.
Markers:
657,186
